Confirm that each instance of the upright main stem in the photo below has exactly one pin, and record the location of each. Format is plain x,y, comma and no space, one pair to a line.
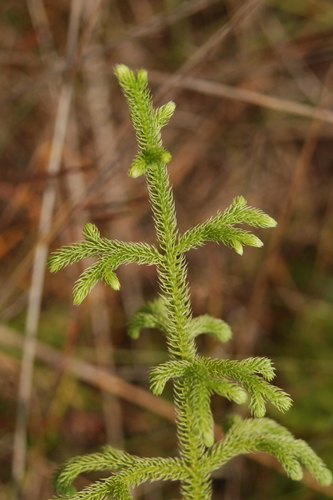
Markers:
173,281
172,270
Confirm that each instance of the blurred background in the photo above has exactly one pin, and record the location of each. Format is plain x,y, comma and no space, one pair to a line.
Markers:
252,81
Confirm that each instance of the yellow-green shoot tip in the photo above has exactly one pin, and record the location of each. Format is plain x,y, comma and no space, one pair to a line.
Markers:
121,70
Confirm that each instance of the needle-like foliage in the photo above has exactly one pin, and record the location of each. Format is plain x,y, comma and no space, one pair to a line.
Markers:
195,378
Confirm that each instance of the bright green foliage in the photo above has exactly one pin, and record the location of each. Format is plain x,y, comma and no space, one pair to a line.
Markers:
146,120
131,471
111,255
221,228
195,378
151,315
154,315
248,436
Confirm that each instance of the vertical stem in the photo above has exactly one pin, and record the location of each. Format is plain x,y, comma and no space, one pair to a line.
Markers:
172,271
173,281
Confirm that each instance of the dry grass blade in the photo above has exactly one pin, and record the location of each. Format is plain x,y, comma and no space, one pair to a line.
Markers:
97,98
249,96
94,375
35,293
36,288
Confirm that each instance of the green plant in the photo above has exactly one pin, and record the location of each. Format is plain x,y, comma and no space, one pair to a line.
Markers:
195,378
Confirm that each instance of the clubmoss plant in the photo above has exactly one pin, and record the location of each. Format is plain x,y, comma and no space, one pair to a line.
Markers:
195,378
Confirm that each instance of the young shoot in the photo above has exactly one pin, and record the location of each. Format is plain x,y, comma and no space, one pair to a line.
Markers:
195,377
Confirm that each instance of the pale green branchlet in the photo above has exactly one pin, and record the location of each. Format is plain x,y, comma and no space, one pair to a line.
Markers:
195,378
